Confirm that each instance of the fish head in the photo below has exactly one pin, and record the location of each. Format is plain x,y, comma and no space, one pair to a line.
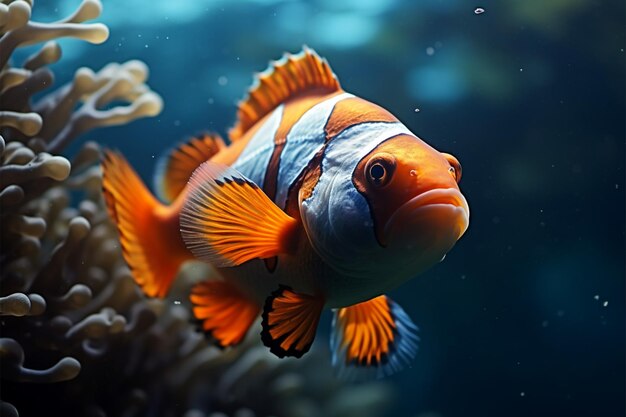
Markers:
399,213
417,208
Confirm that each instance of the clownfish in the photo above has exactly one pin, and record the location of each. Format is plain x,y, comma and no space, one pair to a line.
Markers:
321,200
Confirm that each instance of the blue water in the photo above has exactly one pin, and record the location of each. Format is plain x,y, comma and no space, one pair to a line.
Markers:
525,317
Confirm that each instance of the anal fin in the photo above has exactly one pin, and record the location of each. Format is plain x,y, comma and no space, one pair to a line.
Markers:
225,312
290,321
375,337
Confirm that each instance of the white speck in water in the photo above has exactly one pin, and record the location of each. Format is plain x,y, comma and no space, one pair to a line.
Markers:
521,70
596,297
146,45
152,156
522,394
430,51
479,10
222,80
167,37
139,35
617,186
416,110
604,304
177,302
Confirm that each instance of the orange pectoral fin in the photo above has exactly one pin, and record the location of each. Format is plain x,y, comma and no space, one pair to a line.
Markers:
175,168
290,321
374,337
228,220
226,314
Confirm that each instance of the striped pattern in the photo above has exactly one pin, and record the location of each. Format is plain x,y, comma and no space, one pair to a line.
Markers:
288,141
255,158
318,151
323,213
305,139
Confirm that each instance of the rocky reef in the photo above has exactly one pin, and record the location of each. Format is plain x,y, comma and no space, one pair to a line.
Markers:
76,335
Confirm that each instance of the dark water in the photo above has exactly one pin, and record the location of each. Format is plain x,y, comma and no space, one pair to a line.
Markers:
526,315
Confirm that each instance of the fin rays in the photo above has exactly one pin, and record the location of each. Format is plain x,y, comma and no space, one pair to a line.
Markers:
228,220
374,338
290,321
175,168
291,75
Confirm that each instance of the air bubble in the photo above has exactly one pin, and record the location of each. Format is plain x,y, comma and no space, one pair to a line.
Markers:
479,10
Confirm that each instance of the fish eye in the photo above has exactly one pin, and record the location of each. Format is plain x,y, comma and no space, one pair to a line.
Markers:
379,169
377,172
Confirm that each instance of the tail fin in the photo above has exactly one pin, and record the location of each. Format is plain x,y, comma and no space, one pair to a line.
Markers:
149,231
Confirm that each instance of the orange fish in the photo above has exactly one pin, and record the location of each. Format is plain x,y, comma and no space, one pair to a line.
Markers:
322,200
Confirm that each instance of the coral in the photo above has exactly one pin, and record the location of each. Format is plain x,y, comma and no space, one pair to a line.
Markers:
73,324
53,121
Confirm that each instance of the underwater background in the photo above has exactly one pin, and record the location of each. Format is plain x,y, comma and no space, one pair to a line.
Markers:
525,317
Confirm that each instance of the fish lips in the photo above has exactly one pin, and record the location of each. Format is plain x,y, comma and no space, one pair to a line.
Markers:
432,221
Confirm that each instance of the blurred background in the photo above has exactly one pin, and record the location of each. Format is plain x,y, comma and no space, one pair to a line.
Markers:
526,315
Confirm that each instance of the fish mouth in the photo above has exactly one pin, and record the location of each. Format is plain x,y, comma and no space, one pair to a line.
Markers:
445,203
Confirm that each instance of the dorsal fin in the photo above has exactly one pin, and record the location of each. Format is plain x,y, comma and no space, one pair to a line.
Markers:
175,168
285,78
